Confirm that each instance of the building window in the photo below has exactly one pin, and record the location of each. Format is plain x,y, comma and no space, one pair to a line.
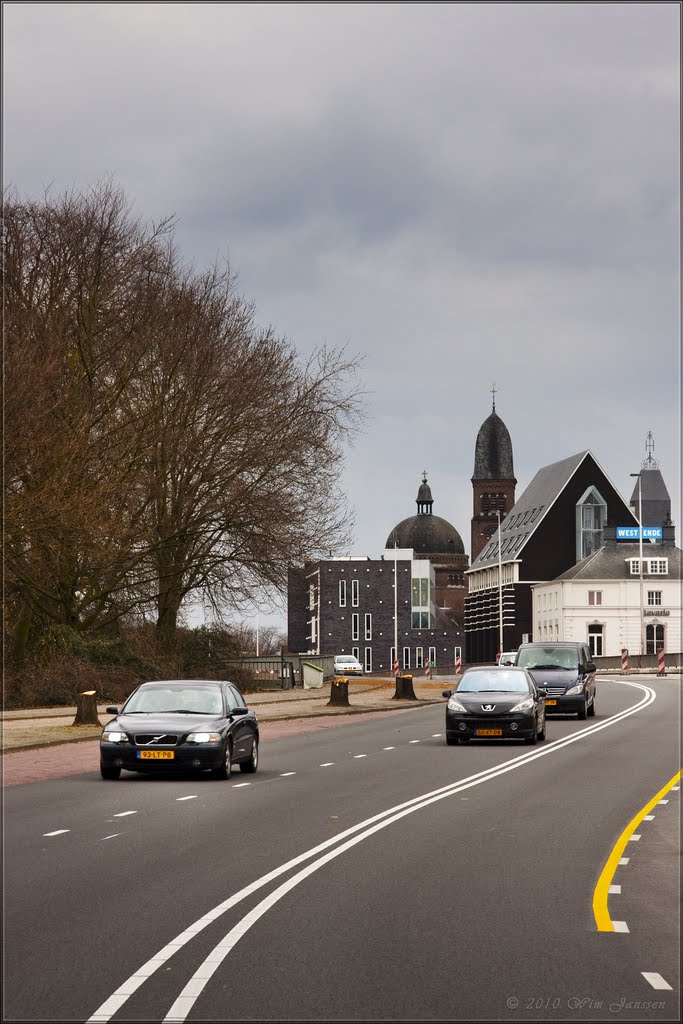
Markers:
368,659
311,596
594,597
658,566
432,656
654,597
419,657
591,516
355,627
354,593
595,640
355,651
342,593
654,639
368,627
406,657
420,599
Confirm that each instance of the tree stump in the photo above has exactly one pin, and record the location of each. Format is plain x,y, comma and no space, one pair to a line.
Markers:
339,693
86,709
404,688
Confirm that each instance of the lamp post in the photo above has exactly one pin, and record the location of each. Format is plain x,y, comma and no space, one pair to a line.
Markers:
640,559
500,591
395,605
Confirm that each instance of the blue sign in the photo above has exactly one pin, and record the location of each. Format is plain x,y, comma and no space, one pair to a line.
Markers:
633,533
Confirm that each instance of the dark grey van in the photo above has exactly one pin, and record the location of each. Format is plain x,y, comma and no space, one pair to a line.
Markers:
566,672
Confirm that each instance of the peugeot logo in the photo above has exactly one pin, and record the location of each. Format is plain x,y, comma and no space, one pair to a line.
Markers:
488,707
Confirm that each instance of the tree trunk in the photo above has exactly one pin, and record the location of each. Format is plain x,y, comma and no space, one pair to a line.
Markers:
404,688
86,709
339,693
21,634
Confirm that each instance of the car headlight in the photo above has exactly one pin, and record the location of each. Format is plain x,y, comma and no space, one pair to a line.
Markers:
576,689
114,736
204,737
524,705
455,705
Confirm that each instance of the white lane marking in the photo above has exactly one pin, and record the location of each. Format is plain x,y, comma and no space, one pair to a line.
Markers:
283,775
663,801
635,838
656,980
413,741
624,861
124,814
114,1002
649,817
614,890
435,735
111,837
327,764
675,789
59,832
240,785
388,748
180,798
356,756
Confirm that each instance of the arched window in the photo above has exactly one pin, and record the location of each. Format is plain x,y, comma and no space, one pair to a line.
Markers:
591,517
654,638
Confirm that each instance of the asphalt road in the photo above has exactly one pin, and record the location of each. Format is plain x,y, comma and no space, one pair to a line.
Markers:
367,872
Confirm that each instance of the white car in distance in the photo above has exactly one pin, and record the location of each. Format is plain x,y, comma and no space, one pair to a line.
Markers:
347,665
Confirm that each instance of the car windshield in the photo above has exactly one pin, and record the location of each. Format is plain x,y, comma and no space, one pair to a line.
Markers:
547,657
501,681
195,700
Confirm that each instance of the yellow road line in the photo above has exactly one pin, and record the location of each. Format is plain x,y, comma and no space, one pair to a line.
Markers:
600,911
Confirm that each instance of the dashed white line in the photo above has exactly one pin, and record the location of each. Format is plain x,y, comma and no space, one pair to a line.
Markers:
635,838
388,748
436,735
111,837
124,814
240,785
614,890
413,741
620,926
649,817
179,799
663,801
327,764
623,861
656,980
59,832
283,775
675,789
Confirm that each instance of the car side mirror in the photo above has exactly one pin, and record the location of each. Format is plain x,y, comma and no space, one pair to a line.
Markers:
239,711
591,667
542,692
112,711
447,693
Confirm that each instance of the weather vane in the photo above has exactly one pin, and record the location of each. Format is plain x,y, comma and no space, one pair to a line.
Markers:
493,392
649,462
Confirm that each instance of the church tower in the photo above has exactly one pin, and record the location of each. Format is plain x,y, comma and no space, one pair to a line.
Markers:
493,480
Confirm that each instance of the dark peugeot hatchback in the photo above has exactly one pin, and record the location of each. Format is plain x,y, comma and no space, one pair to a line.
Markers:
181,724
567,672
490,703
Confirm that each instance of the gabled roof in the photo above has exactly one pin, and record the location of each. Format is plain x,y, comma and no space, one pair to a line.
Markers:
531,509
610,562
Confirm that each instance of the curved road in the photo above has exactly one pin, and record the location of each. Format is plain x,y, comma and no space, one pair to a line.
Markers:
367,872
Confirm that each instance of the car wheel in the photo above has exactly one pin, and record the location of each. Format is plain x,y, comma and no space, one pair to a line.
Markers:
591,709
533,739
225,770
251,765
451,740
582,713
541,734
109,772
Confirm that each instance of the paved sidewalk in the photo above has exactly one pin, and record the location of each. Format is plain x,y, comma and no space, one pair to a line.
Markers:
29,728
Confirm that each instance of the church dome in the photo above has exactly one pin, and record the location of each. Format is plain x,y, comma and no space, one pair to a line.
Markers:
425,533
493,451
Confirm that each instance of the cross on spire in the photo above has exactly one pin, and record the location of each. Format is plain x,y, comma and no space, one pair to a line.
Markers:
493,392
650,462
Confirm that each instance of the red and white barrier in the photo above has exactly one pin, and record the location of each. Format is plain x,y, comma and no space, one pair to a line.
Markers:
394,667
660,663
624,659
458,665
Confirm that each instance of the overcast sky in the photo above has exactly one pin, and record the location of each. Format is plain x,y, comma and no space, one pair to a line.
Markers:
460,193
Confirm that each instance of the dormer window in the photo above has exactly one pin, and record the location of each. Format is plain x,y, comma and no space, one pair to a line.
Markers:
591,517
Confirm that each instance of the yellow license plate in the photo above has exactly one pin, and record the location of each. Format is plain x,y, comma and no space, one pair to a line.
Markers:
550,703
156,755
488,732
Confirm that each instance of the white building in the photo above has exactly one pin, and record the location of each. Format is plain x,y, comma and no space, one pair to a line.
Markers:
598,600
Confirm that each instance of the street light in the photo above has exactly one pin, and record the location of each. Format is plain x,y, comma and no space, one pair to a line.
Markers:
500,591
640,560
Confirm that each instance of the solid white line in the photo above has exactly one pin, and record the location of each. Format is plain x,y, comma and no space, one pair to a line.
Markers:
124,814
180,798
121,995
614,890
240,785
111,837
59,832
656,980
283,775
620,926
327,764
624,861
